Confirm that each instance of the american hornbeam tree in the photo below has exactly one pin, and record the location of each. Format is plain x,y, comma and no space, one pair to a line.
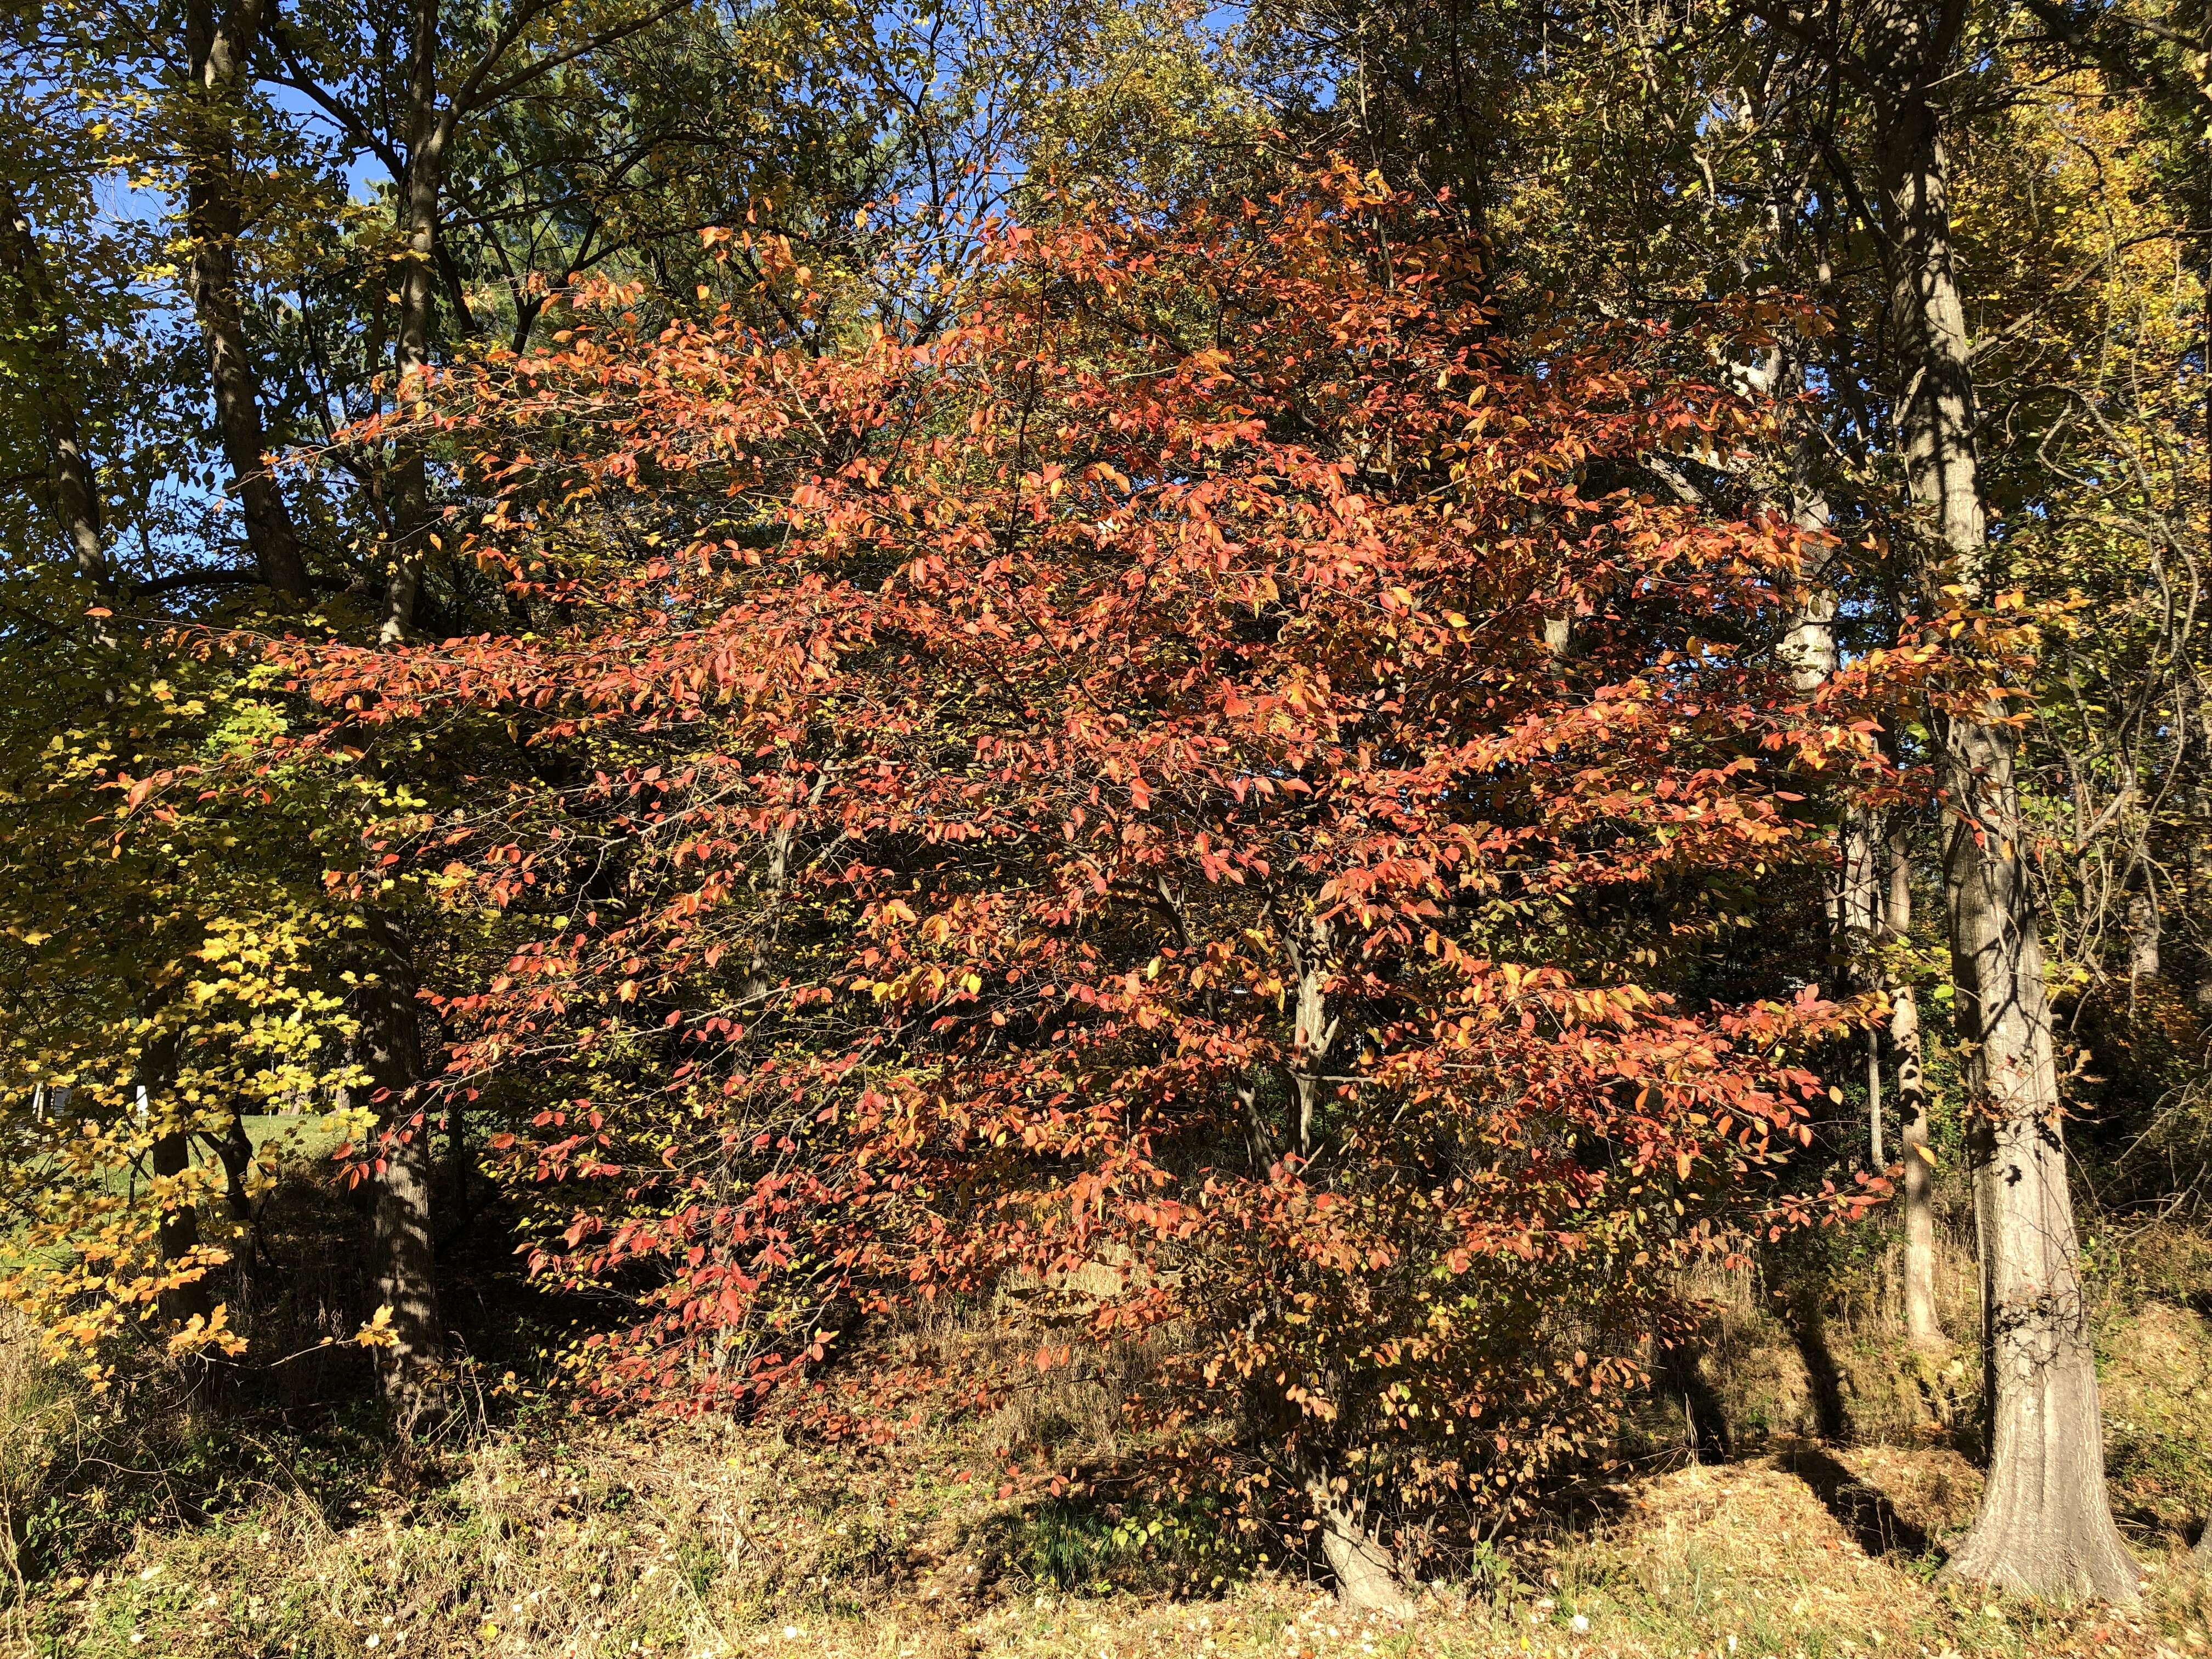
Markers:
1086,806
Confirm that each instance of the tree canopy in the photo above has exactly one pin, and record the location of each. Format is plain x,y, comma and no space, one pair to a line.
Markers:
1264,690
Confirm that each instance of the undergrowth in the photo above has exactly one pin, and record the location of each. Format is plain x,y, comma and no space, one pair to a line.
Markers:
195,1531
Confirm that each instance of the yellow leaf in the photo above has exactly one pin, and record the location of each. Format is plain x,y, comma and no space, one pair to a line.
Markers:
378,1332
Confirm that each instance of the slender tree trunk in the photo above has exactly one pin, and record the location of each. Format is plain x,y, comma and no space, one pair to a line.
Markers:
217,42
2045,1526
179,1230
1862,918
1921,1323
1808,651
235,1151
405,1234
1312,1030
1874,1147
75,491
2143,931
429,132
1369,1577
1858,925
403,1239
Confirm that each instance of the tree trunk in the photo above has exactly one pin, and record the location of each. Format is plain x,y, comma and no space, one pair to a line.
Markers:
216,44
402,1242
1368,1578
429,130
68,472
2143,931
405,1231
1875,1148
179,1230
235,1151
1312,1030
1858,925
1808,651
1921,1323
2045,1526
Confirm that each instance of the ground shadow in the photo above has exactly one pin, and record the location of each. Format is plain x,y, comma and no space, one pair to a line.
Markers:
1862,1511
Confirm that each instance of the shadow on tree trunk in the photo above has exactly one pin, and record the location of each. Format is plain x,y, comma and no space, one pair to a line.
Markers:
1808,1328
1704,1420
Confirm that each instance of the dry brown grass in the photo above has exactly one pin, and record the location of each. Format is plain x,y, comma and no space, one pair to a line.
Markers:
20,1432
577,1540
716,1543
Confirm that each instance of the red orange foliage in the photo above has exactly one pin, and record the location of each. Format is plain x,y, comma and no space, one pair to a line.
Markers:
1097,808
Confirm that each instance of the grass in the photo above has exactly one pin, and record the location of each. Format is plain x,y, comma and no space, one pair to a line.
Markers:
580,1541
553,1537
290,1136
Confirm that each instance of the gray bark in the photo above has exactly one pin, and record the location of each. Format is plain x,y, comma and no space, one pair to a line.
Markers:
216,42
2144,932
2045,1526
1809,649
1858,924
1875,1148
1312,1030
1368,1577
1921,1323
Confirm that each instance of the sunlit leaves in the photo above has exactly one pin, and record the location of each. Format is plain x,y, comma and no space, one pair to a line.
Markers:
1089,807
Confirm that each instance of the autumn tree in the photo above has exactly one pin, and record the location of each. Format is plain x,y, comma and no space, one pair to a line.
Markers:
1086,800
1282,784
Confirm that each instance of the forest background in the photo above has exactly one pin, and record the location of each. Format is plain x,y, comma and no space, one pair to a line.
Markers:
1309,780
